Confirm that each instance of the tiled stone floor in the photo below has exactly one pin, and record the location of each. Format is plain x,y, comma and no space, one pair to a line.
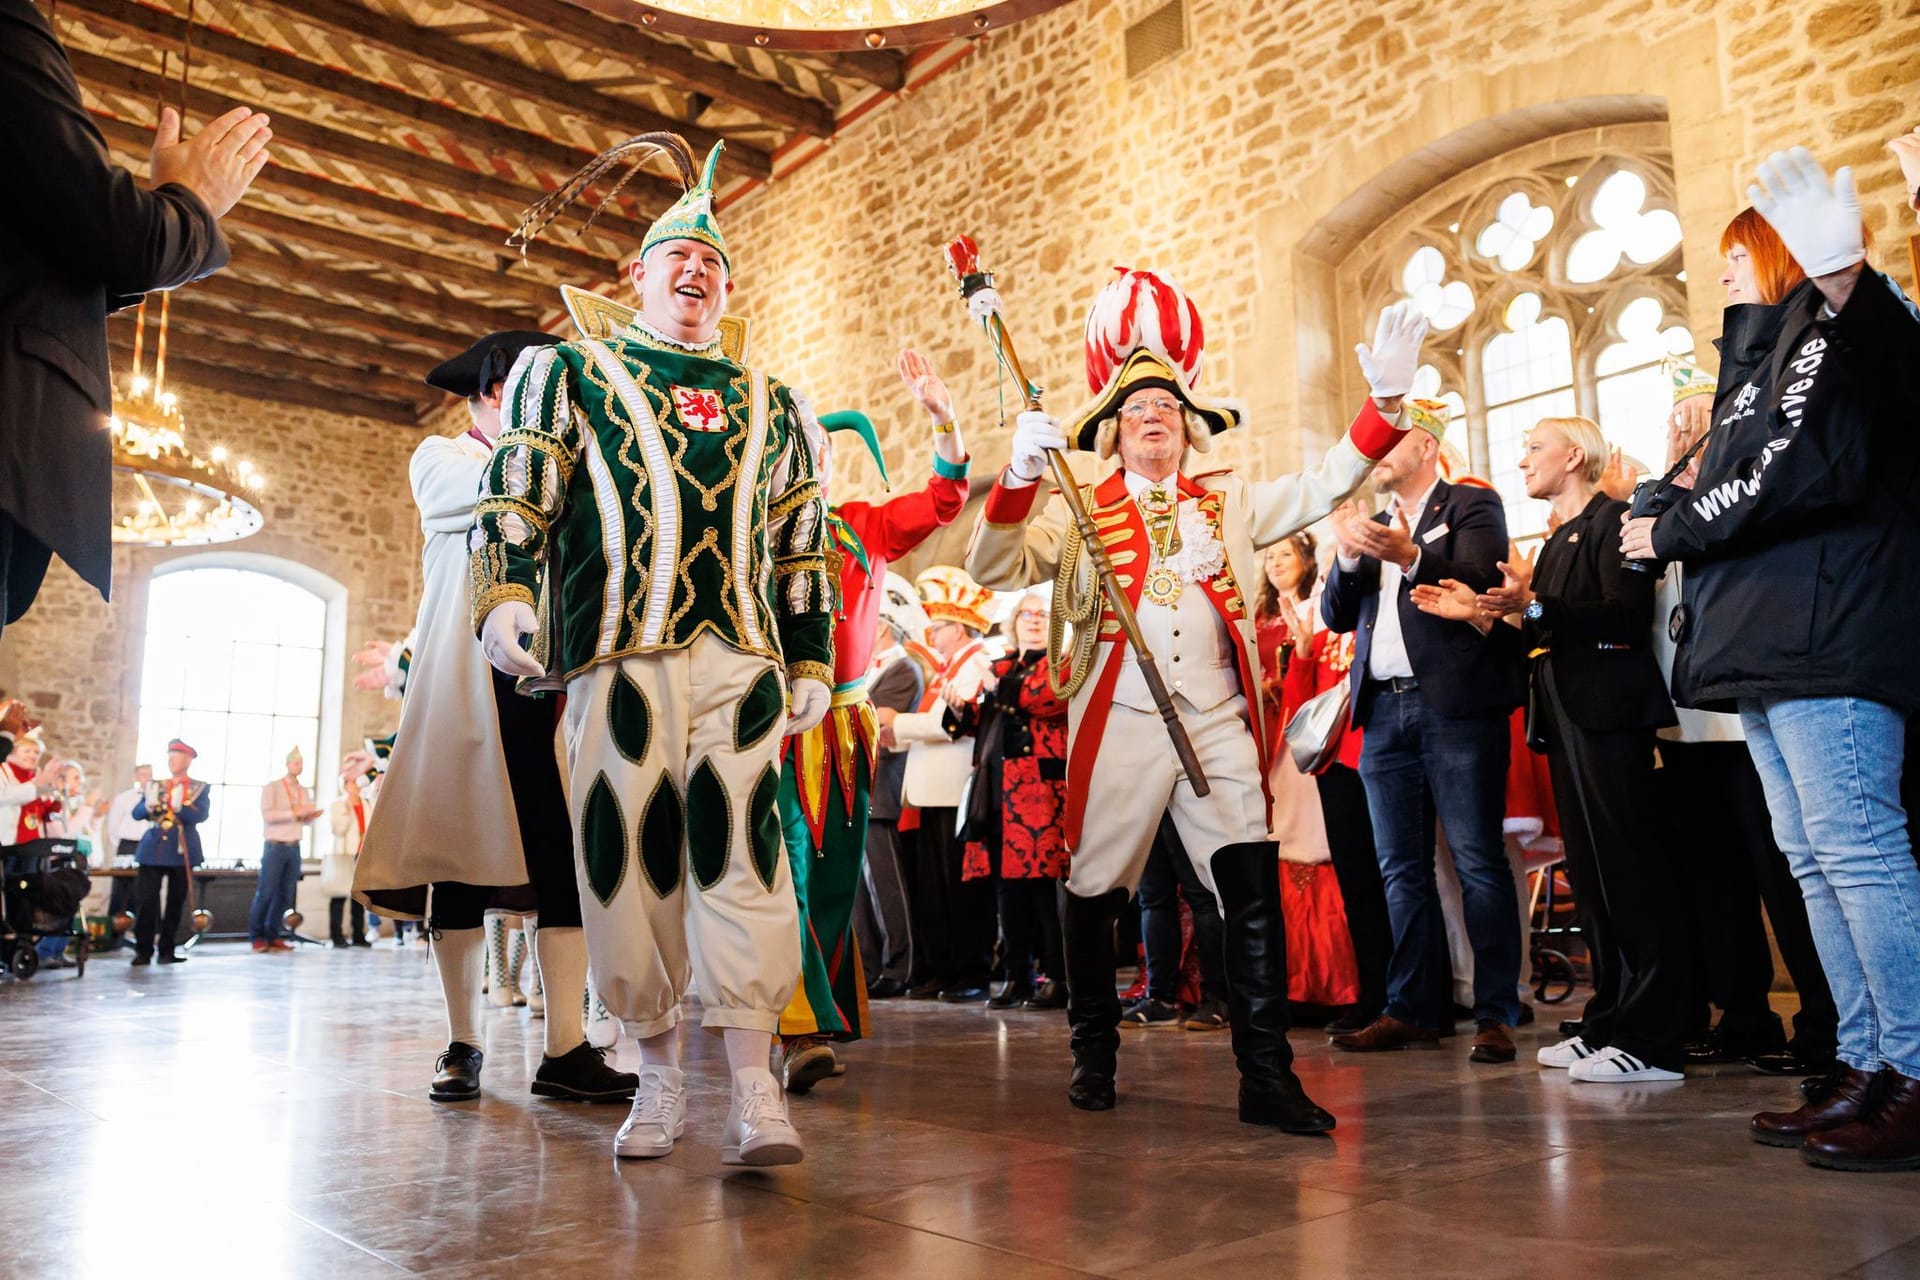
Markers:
267,1116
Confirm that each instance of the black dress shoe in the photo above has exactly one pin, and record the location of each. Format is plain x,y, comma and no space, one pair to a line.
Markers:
929,990
457,1074
887,989
1048,995
581,1074
1792,1060
362,942
963,995
339,944
172,957
1011,996
141,958
1090,1088
1282,1104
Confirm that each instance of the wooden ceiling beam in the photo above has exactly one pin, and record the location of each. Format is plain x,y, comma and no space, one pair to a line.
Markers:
212,320
220,353
334,144
562,257
423,45
292,311
480,133
881,70
287,387
630,43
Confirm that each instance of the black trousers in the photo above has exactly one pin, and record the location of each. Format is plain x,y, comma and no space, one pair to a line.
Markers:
1030,929
953,919
882,913
336,909
1343,806
1168,875
1730,865
1625,892
149,922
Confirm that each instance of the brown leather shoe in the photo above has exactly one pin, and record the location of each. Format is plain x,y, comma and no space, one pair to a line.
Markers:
1384,1033
1885,1137
1492,1042
1842,1106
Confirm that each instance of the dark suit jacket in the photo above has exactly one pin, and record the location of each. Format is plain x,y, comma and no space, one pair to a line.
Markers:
1462,534
1594,623
78,238
899,687
160,848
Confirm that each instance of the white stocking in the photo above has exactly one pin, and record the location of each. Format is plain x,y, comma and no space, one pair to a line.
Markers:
457,955
561,955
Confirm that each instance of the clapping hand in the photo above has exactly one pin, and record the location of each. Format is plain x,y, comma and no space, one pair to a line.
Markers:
1690,420
1451,600
1386,542
1617,480
358,764
218,163
1817,218
1515,591
373,655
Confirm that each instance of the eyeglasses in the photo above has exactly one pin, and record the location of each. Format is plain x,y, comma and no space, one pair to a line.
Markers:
1024,614
1160,408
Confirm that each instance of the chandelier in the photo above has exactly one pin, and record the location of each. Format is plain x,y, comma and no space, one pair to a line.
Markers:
826,24
164,494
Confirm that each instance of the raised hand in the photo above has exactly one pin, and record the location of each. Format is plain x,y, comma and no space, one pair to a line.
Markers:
1906,149
218,163
1390,362
1035,435
917,372
1817,219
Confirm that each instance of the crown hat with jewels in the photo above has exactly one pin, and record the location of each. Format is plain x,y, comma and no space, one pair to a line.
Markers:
949,595
1143,331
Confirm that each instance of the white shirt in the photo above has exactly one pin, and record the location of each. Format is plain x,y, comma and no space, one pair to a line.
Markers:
1694,726
1387,655
121,824
280,800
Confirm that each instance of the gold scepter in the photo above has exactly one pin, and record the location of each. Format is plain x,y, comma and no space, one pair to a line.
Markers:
983,303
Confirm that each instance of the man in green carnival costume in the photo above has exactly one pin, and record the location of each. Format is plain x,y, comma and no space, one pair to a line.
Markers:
651,515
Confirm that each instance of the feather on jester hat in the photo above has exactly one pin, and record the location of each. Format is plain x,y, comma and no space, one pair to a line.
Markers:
691,217
1143,331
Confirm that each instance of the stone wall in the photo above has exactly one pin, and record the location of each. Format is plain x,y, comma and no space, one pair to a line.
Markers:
336,501
1251,164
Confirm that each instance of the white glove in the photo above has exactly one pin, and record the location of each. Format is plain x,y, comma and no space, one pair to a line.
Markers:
1389,364
1818,220
808,701
1035,434
500,633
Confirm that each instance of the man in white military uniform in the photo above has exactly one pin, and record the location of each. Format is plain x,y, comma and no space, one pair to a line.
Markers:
1181,546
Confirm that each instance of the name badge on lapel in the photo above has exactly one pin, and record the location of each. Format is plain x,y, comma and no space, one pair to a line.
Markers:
1438,531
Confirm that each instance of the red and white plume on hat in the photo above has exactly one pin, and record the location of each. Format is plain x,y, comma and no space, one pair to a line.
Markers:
1140,309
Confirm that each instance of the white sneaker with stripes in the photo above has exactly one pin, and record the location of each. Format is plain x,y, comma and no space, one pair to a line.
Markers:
1565,1054
1617,1066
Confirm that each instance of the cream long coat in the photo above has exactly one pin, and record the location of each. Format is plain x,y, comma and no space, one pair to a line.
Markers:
1015,547
446,809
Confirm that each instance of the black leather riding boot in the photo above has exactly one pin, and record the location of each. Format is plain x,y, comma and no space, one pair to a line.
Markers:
1248,879
1093,1006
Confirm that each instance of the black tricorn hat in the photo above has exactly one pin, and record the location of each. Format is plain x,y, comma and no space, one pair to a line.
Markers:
485,362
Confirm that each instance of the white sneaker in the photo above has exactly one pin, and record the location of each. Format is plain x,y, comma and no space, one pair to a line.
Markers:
1617,1066
1566,1053
659,1115
758,1132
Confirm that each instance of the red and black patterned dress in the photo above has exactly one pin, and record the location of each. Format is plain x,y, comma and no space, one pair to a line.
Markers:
1020,761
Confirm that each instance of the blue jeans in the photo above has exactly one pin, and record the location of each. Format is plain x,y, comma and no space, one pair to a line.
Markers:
1831,768
279,874
1413,755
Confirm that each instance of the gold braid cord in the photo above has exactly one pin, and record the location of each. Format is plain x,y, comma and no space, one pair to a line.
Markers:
1076,604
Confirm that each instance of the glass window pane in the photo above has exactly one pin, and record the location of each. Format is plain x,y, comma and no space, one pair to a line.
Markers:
297,688
164,670
1593,257
206,671
252,755
1619,198
255,668
1634,408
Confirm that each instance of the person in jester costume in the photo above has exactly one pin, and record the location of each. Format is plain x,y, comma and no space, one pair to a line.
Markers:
652,517
827,779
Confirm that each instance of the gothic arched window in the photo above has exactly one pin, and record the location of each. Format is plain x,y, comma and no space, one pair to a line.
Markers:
1552,278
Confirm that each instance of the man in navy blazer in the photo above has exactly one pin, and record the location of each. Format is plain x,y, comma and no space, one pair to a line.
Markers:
167,854
1434,698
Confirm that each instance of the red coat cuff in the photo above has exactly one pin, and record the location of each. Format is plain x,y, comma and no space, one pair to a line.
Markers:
1009,506
1373,435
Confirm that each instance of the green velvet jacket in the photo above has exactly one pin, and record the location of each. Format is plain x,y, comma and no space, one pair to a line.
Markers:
640,494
